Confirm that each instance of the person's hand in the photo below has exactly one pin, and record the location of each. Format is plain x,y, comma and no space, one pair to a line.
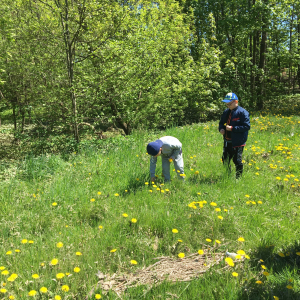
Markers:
153,179
228,128
222,131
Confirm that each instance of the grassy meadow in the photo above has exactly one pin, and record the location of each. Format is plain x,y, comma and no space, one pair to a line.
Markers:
66,219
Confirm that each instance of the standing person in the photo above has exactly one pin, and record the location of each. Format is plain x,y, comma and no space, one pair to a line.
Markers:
234,126
170,149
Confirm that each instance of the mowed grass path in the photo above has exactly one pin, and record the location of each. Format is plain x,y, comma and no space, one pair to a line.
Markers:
62,221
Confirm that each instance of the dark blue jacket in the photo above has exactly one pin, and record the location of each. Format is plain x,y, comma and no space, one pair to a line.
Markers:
240,123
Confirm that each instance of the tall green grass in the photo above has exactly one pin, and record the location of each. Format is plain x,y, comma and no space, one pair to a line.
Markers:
80,202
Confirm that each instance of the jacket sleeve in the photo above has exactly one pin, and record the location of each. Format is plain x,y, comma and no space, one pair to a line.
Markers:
222,121
176,148
244,124
153,161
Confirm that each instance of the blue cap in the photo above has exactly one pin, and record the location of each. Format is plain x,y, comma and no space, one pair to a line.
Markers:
229,97
154,147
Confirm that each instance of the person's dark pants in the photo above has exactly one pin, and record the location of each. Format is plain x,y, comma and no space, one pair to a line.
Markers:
236,155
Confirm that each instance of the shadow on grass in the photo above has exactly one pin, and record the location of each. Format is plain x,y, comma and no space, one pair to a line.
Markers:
282,268
213,179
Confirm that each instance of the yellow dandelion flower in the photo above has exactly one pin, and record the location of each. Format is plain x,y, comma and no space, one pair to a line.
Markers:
217,209
59,245
258,282
65,288
99,193
5,272
146,183
35,276
98,296
247,196
3,291
247,256
241,252
218,242
24,241
43,290
266,273
30,242
181,255
60,275
133,262
213,204
220,217
2,268
235,274
200,252
116,194
78,253
32,293
133,220
174,230
281,254
54,204
54,261
259,202
76,270
264,267
229,261
276,298
298,253
208,240
289,287
100,226
57,297
180,241
11,297
17,250
113,250
241,239
125,215
92,200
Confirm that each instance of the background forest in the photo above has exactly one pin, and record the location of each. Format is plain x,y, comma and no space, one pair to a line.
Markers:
73,66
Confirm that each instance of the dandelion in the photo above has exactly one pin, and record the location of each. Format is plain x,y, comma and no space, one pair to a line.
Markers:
99,193
213,204
146,183
200,252
32,293
30,242
229,261
281,254
57,297
220,217
266,273
133,220
181,255
24,241
133,262
278,178
60,275
298,253
247,196
100,227
35,276
196,172
241,252
92,200
117,195
2,268
43,290
3,291
258,282
78,253
54,261
65,288
235,274
76,270
208,240
264,267
218,242
276,298
54,204
247,256
12,277
180,241
98,296
125,215
5,272
11,297
113,250
174,230
217,209
59,245
259,202
241,239
289,287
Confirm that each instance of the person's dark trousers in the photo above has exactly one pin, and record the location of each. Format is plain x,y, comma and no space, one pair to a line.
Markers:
236,155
